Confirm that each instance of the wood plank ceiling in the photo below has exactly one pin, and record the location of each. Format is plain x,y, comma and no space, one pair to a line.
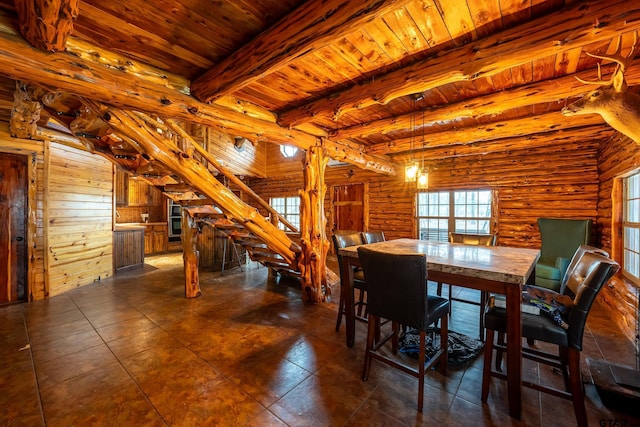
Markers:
385,78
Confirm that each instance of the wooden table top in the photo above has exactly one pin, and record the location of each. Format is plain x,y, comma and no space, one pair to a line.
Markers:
498,263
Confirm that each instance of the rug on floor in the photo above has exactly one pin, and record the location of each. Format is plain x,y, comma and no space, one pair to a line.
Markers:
461,348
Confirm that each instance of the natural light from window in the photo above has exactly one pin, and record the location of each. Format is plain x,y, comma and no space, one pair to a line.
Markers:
288,150
457,211
631,228
289,208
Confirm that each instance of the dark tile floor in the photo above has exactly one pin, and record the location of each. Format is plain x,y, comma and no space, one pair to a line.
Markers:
132,351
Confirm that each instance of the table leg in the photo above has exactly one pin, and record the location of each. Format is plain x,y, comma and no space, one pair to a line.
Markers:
514,350
346,287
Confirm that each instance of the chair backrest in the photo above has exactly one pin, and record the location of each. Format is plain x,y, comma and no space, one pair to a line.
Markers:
591,272
397,286
582,249
473,239
562,237
343,241
372,236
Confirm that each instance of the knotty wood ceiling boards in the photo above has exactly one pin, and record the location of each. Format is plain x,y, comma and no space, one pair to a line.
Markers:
462,65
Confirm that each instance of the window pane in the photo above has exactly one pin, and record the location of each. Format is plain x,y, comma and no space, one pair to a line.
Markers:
463,213
631,227
633,211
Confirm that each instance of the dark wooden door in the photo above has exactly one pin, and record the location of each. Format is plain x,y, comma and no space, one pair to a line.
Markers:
348,208
13,228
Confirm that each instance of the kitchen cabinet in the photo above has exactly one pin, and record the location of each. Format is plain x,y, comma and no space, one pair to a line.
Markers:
156,239
138,193
122,188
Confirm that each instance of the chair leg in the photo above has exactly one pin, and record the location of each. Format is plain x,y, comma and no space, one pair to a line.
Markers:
484,297
395,327
501,337
421,362
340,311
577,388
486,369
564,362
444,344
371,335
361,302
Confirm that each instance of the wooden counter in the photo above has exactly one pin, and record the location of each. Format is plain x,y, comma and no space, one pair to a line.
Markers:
128,247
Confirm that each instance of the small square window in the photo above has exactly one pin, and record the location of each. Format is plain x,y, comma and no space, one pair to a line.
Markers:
288,150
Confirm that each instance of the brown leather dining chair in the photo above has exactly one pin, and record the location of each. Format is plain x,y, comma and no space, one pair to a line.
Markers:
397,291
372,236
589,274
343,241
478,240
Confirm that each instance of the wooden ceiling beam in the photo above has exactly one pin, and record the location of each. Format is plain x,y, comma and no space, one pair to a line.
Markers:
542,92
502,129
310,27
585,22
112,86
587,135
91,53
46,24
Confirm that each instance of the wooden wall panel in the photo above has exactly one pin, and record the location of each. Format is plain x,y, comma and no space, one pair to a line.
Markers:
250,161
618,156
35,150
79,212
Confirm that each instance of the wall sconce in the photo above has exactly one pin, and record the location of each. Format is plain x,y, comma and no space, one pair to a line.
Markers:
239,143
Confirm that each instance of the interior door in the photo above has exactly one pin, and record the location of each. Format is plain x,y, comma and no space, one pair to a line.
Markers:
13,228
348,205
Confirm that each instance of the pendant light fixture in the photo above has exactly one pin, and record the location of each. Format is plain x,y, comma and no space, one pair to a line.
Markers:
422,180
412,167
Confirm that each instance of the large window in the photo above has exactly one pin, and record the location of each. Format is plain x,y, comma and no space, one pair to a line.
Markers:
289,208
631,228
457,211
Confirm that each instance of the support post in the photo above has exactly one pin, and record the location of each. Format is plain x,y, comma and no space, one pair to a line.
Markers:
313,238
190,255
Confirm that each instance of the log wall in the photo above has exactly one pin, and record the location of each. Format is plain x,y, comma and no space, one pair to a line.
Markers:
618,157
552,181
572,180
79,213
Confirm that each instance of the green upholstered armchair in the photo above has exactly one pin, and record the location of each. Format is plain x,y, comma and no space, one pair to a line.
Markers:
560,240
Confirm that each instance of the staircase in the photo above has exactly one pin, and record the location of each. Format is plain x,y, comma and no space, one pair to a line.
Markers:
163,154
257,249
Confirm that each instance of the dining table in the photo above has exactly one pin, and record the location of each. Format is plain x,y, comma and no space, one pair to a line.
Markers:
495,269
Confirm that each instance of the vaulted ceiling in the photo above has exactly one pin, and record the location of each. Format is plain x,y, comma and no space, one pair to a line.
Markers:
387,79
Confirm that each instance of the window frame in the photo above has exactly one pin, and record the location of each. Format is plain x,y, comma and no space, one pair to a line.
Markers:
452,218
627,251
292,216
288,151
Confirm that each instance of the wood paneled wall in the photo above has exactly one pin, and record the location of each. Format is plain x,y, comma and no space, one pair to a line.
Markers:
250,161
618,157
79,207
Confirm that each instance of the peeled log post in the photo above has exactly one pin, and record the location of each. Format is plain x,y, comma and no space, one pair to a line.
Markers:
190,255
47,24
313,238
